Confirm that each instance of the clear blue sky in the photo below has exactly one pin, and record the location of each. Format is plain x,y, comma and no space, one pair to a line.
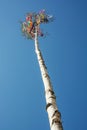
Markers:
22,101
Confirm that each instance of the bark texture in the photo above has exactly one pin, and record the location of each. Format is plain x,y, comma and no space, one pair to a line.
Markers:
51,107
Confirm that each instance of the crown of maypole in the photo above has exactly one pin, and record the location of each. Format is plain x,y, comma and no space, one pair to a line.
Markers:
32,21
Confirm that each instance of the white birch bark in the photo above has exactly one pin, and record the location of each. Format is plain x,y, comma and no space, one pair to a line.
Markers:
51,107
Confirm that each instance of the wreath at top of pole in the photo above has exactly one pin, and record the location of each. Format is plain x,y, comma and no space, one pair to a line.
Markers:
34,20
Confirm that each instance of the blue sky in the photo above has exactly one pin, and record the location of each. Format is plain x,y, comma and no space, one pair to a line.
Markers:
22,101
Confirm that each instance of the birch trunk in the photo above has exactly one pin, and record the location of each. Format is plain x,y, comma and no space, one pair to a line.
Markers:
51,107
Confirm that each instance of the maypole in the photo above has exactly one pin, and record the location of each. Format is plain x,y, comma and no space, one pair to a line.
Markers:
51,107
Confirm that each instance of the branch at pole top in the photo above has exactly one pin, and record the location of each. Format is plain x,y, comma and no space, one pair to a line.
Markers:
33,20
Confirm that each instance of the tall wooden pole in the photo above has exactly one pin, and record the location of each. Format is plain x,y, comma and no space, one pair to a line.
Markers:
51,107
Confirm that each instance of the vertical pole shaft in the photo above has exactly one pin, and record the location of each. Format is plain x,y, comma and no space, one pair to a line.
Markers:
51,107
